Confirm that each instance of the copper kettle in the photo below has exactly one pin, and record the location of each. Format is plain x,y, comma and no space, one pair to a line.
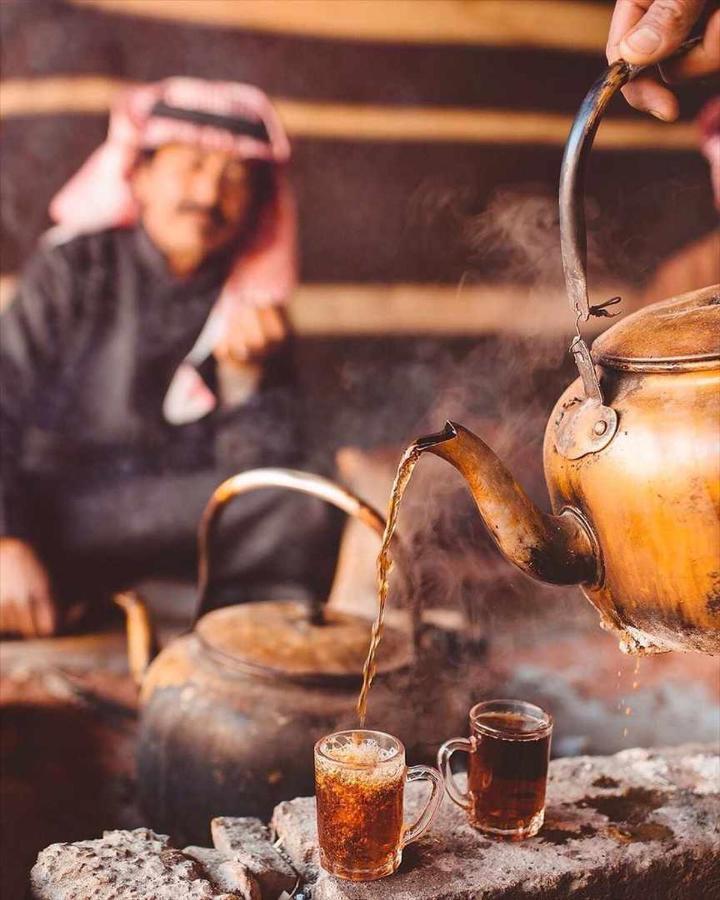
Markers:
631,452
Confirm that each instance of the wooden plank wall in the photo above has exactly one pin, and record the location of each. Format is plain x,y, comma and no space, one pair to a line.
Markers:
407,117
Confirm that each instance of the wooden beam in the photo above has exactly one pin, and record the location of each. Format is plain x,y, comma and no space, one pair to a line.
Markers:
58,95
483,126
385,309
364,122
565,24
375,310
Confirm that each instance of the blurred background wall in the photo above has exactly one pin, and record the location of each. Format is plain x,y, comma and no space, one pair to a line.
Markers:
427,141
407,116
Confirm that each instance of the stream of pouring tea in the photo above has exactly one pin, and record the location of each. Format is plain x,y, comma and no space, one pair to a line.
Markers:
384,564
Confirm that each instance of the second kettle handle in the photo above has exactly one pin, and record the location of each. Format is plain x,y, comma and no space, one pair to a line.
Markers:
573,236
292,479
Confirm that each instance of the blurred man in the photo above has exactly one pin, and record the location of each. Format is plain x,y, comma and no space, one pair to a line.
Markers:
146,358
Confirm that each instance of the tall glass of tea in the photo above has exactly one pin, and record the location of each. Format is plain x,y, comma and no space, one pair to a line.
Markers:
360,779
509,750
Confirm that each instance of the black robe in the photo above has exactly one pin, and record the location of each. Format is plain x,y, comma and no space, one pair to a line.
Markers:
95,478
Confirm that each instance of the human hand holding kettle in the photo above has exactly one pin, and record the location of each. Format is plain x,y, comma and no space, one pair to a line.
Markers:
646,32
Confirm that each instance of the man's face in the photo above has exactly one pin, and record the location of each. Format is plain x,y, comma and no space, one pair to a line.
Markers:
193,201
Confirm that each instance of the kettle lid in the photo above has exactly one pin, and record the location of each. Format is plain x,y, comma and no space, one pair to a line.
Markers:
672,335
278,638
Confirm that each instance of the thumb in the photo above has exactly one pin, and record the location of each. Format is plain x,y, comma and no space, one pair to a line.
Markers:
660,32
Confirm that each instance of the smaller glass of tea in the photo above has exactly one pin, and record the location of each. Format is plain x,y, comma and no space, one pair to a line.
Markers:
509,750
360,781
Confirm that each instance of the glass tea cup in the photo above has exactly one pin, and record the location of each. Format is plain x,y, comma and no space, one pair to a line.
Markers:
509,751
360,781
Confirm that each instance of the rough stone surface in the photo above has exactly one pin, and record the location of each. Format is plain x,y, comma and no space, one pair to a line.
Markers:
638,824
123,865
248,842
294,824
642,823
226,872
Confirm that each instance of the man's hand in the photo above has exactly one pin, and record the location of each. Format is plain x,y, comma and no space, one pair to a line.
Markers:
252,335
27,606
644,32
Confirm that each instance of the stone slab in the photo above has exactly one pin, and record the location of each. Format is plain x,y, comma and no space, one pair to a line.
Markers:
641,823
248,841
132,865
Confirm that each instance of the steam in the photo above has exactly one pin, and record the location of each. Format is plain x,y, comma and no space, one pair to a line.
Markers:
492,392
503,389
525,227
521,225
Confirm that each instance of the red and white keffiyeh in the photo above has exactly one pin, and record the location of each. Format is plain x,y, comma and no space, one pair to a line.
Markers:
237,118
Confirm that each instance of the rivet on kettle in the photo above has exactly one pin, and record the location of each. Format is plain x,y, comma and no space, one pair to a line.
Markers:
600,427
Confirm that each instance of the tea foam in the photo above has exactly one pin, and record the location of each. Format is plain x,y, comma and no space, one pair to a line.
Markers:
365,752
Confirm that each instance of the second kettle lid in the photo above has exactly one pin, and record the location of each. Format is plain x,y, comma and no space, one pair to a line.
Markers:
278,637
683,332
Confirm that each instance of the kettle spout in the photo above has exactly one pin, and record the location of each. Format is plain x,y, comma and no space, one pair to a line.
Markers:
555,549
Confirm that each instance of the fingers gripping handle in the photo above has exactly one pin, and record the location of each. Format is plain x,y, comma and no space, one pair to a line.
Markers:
462,798
420,826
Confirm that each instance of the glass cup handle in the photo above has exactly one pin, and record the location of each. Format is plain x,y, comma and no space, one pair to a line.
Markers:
420,826
443,760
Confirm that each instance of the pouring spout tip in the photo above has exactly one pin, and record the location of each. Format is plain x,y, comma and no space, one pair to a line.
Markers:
431,440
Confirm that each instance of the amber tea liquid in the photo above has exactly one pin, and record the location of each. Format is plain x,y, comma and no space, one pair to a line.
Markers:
508,753
384,563
507,773
359,788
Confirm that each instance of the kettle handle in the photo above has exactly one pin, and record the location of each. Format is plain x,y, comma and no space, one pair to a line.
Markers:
292,479
573,235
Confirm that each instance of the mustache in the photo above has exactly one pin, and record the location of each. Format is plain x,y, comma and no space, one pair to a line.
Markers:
213,212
